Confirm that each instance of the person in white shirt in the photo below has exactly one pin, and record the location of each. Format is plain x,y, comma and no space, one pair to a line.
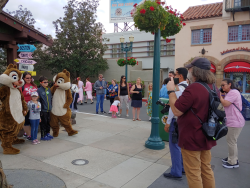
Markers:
75,95
171,126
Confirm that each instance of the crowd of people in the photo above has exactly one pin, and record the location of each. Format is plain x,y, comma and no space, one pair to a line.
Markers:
190,148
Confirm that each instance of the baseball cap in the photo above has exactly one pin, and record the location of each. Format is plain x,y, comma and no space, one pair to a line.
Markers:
202,63
34,94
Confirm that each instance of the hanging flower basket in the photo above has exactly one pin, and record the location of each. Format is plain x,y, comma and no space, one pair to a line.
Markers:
151,16
130,61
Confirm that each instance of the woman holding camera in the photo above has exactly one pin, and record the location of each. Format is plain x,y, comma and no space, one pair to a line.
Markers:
136,98
231,100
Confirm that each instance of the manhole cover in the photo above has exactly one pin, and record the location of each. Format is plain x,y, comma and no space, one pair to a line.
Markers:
80,162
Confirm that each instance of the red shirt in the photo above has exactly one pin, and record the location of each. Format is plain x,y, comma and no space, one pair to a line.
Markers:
191,136
28,89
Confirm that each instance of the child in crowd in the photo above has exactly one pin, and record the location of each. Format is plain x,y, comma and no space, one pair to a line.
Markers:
75,95
149,102
114,105
46,105
34,108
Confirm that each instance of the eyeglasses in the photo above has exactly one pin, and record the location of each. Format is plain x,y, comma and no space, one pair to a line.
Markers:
100,77
223,85
45,82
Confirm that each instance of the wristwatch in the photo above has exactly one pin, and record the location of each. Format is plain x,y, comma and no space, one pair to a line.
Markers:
170,92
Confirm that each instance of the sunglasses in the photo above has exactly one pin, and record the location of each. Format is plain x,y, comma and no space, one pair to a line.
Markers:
45,82
100,77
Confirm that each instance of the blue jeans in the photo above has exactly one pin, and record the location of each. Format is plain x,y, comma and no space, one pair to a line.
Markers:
100,99
34,123
176,157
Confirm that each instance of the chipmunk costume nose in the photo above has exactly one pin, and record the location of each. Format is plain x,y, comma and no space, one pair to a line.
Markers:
20,82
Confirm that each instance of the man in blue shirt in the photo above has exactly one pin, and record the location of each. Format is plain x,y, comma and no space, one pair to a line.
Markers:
100,86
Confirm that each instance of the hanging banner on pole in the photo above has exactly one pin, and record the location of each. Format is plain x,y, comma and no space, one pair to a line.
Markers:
120,10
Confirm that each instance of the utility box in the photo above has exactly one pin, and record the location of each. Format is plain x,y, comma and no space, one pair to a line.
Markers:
163,120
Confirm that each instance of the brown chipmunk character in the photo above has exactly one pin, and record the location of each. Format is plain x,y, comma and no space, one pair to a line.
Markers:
62,99
13,109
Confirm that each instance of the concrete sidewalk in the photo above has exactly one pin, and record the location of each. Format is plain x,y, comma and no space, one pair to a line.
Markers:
117,158
114,148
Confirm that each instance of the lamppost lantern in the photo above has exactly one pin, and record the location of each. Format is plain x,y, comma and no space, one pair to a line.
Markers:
122,39
126,49
131,38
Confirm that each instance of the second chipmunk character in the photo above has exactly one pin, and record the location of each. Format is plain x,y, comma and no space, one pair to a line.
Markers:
62,99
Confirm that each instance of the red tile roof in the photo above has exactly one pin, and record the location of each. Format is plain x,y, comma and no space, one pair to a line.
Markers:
203,11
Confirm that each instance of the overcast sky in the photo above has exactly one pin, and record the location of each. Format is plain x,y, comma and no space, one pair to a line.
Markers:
47,11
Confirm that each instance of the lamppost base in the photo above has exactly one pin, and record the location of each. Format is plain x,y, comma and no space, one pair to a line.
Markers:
155,144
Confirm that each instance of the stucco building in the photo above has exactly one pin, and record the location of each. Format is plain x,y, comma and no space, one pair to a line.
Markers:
223,30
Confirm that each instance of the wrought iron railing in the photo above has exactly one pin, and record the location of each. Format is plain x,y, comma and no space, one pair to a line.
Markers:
237,5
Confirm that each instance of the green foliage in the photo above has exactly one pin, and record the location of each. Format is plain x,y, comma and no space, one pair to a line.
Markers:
78,46
130,61
151,16
24,15
3,60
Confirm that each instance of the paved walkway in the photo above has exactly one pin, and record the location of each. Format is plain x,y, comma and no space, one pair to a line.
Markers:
117,158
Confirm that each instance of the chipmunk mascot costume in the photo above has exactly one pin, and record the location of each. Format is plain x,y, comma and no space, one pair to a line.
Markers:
13,109
62,99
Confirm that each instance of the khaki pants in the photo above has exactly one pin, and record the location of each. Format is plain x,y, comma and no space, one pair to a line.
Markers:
232,136
198,168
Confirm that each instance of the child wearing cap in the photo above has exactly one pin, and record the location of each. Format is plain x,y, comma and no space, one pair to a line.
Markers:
34,109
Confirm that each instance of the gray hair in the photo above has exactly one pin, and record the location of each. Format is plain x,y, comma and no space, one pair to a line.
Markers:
203,75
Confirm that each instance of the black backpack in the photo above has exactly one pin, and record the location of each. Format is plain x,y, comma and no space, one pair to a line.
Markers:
215,126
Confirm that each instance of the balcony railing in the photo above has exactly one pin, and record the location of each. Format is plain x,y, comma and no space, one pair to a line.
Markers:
237,5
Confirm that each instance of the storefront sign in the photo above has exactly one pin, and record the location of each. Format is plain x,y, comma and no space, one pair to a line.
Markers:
26,55
236,49
26,48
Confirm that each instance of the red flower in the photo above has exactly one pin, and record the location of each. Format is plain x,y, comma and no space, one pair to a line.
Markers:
152,33
163,3
135,4
166,7
181,21
152,8
184,24
142,11
168,40
158,2
177,24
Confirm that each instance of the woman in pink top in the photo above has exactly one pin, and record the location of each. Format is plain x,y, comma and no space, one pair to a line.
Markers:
235,121
81,88
28,88
88,90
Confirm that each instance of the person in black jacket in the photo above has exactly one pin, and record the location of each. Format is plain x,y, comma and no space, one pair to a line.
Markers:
45,98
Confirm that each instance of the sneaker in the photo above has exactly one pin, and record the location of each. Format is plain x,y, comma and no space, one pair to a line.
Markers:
45,138
227,165
114,116
224,160
119,115
127,115
170,176
110,112
149,119
105,99
25,135
76,111
103,112
49,136
34,142
28,138
37,141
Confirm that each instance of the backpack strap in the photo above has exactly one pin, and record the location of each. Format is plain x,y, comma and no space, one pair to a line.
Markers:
196,116
184,85
236,107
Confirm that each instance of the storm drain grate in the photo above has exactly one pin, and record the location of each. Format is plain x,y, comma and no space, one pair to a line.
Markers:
80,162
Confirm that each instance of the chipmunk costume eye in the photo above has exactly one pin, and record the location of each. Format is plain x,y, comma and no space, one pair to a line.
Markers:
14,76
60,81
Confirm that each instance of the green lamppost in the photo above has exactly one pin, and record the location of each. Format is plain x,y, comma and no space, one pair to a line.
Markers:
127,49
154,141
